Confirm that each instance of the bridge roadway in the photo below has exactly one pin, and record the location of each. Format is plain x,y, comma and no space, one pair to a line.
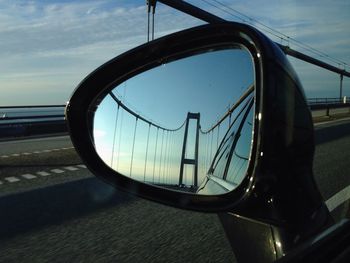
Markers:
52,209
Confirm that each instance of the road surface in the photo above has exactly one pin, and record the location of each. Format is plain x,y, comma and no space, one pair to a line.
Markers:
53,210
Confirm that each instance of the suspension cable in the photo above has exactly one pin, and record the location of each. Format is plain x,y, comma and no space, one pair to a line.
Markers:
272,31
160,159
229,112
165,155
217,139
155,154
114,135
133,146
148,19
144,172
140,117
120,137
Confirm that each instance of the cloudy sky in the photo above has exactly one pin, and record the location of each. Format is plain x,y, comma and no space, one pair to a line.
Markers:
47,47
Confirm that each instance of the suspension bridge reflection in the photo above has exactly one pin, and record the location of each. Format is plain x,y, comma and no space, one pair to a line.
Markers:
179,157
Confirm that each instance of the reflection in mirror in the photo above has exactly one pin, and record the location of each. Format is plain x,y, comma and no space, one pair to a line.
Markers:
186,125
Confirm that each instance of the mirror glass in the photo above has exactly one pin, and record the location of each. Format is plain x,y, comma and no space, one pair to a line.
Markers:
185,125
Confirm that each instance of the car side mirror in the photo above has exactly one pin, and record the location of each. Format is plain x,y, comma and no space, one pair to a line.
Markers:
212,118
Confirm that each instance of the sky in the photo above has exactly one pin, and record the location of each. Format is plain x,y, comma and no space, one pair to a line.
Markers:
208,83
47,47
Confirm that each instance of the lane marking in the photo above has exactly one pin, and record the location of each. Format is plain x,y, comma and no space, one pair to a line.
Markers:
43,173
339,198
28,176
35,152
317,124
71,168
51,138
11,179
57,171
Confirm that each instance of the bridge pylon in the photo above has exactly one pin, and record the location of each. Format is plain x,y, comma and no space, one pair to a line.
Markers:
195,116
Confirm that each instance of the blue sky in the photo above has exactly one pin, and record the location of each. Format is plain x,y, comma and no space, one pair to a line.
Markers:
208,83
48,47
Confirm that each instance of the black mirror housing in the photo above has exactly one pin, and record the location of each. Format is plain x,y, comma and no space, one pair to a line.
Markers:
279,187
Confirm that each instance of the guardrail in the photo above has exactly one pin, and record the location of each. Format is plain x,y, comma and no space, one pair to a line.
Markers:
326,106
316,101
18,114
22,121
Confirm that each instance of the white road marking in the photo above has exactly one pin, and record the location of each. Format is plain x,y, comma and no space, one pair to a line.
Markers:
11,179
71,168
333,121
28,176
57,171
26,140
36,152
339,198
42,173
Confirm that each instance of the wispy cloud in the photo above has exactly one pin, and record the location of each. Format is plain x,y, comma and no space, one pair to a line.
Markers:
48,45
63,42
323,25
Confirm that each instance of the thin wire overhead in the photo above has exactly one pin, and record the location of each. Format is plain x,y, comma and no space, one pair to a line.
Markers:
283,37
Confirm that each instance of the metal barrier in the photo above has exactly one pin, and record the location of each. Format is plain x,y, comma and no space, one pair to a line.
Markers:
22,121
315,101
323,106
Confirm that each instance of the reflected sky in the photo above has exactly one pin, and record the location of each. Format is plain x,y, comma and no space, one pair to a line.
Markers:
208,83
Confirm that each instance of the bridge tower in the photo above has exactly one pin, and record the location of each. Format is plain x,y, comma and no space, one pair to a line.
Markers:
195,116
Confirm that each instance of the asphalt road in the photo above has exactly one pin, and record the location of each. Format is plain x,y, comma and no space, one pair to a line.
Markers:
56,211
61,213
36,163
332,166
